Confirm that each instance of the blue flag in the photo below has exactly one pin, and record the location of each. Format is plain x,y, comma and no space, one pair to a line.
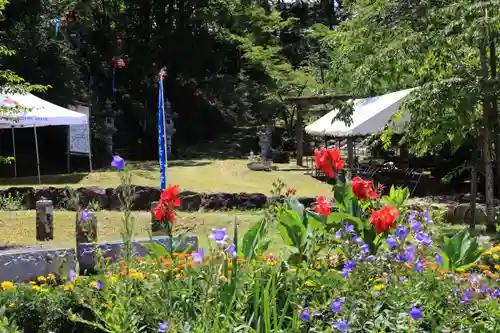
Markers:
161,138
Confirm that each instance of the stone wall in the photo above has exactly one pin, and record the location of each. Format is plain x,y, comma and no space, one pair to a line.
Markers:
108,198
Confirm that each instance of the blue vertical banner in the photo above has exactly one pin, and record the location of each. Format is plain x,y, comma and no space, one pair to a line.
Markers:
161,135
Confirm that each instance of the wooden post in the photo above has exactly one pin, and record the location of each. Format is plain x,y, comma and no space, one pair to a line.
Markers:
350,159
155,225
299,135
44,220
86,228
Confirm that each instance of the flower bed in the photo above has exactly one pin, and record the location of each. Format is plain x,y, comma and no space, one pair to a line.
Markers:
362,263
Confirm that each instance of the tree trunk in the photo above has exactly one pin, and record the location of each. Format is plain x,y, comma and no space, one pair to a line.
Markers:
486,144
473,188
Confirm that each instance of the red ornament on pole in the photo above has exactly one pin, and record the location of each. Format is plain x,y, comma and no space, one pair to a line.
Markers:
118,62
119,43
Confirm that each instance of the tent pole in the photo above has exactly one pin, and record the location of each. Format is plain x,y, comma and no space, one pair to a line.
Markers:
14,151
37,155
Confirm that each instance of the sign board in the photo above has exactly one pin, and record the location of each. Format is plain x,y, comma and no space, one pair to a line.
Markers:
79,134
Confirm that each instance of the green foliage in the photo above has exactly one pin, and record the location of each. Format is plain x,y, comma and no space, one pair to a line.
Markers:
12,202
397,198
460,251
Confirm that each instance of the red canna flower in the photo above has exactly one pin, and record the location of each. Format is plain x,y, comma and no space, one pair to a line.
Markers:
168,201
328,160
363,189
322,206
384,219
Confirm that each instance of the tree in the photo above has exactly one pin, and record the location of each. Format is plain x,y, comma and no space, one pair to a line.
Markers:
441,47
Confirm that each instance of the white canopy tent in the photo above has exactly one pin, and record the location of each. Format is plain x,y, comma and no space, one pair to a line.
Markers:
41,113
369,116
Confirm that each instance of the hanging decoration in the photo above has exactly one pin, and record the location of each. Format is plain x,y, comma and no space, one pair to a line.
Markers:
68,17
161,133
117,63
57,23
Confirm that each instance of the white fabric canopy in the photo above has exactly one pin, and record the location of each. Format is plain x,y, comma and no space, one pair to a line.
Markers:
369,116
42,113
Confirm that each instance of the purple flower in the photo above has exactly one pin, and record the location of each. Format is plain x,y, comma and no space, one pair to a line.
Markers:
337,305
495,293
118,163
348,266
415,313
231,250
305,315
473,278
338,234
409,255
356,239
419,266
428,217
72,275
392,242
401,231
467,296
370,258
219,236
484,289
438,258
85,215
403,279
198,256
424,238
365,248
416,226
349,228
99,285
163,327
342,325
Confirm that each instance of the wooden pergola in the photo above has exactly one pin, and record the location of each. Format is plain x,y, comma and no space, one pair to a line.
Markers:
303,105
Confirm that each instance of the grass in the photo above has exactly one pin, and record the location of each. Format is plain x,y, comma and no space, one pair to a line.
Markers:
196,175
18,227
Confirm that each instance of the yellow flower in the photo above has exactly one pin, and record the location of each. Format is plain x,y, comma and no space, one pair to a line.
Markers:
460,269
69,287
137,275
41,279
7,285
496,256
113,278
379,279
497,267
36,288
309,284
51,277
12,305
32,283
93,284
378,287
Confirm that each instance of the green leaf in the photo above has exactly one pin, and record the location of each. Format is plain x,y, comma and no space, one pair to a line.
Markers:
292,229
156,249
254,238
295,205
314,222
337,219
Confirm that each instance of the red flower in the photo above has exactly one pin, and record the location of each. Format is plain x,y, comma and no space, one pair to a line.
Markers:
328,160
168,201
384,219
118,62
322,206
363,189
119,43
290,191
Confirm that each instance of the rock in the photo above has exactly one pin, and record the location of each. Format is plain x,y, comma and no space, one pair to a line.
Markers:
27,194
462,213
23,265
44,220
218,201
94,194
307,201
249,201
190,202
141,197
112,251
60,197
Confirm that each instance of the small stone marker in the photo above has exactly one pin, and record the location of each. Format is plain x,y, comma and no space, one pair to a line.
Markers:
86,228
155,225
44,220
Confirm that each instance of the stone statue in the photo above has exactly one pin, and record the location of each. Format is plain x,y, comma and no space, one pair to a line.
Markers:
108,129
265,140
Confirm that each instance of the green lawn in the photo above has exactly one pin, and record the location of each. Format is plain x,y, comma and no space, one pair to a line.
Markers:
197,175
18,227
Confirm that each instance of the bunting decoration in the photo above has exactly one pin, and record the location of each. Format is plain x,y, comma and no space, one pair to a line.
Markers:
117,63
57,23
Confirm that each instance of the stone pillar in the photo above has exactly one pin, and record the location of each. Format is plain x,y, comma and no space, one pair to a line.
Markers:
155,225
86,229
44,220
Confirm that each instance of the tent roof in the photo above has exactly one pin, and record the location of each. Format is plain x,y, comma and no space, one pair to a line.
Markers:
369,116
42,113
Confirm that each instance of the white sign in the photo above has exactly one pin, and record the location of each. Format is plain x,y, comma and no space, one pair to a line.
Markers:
79,134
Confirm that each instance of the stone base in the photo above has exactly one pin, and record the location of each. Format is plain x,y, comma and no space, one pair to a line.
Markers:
23,265
113,250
